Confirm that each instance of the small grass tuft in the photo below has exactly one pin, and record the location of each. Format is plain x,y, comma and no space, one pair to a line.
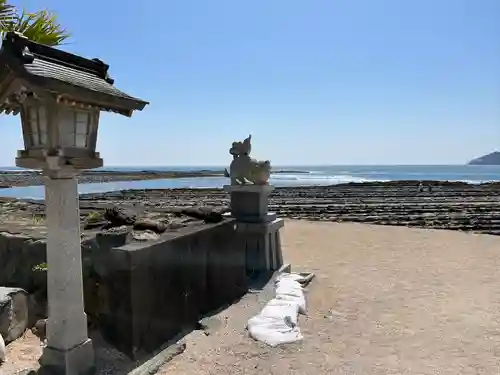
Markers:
93,216
38,219
40,267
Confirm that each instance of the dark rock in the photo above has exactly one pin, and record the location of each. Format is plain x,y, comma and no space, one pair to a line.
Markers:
37,306
19,255
207,214
40,329
13,313
148,224
11,246
118,216
175,225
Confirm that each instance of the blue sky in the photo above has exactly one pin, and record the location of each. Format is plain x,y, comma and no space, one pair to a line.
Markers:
313,81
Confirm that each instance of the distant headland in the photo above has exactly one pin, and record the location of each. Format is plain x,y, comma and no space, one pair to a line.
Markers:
489,159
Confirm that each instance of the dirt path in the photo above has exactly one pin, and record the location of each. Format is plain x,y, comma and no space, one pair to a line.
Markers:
387,300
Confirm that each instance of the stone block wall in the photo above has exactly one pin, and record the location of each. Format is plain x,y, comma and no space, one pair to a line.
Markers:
155,290
141,294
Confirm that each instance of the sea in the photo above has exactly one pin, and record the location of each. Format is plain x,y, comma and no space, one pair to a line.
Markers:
287,176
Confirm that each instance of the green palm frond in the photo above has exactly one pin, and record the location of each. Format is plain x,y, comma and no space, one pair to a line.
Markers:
7,14
41,27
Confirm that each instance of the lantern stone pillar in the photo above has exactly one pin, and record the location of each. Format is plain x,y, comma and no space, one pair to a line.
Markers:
69,350
60,118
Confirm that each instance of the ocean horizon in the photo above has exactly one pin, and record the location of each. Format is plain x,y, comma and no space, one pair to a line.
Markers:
298,176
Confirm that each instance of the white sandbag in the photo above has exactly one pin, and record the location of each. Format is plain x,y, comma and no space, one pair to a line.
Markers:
292,289
273,331
292,286
279,309
2,349
277,323
299,301
290,277
289,290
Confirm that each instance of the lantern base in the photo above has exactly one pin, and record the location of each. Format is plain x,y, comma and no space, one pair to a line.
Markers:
58,162
79,360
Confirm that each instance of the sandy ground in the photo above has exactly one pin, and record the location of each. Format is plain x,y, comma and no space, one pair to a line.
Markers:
386,300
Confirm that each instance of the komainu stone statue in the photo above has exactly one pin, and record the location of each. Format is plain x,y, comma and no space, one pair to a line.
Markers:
244,169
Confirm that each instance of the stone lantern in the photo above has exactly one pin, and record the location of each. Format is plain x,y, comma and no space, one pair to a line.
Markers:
58,135
59,96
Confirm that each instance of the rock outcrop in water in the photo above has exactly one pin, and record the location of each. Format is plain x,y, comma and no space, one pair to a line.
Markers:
489,159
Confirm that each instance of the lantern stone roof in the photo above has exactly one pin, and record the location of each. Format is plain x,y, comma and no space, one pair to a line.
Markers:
30,68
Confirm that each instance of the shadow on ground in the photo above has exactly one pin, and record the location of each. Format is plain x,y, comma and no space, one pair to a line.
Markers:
110,361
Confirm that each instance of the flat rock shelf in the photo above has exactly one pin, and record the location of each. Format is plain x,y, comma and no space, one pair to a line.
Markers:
449,205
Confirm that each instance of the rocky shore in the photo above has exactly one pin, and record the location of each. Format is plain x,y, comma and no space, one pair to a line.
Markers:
448,205
32,178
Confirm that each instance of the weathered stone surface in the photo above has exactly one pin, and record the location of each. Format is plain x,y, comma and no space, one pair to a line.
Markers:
120,216
207,214
146,235
112,237
13,313
149,224
249,203
175,225
40,329
244,169
38,305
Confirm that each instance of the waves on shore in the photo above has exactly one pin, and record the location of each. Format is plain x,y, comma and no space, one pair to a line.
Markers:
334,175
316,178
287,177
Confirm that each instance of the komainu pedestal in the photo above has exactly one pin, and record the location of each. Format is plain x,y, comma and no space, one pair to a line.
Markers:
257,229
249,203
262,244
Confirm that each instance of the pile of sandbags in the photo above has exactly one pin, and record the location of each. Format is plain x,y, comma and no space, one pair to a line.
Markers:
277,323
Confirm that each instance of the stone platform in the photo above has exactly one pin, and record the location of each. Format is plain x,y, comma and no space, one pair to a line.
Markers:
155,290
